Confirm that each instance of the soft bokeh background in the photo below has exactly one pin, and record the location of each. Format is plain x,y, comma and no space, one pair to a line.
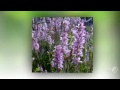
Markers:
15,44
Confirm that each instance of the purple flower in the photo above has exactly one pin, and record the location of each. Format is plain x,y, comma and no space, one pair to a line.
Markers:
39,27
57,61
64,38
50,41
64,42
78,43
41,35
35,45
66,22
67,52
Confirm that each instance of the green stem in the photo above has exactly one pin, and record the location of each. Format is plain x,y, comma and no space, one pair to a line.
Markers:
68,65
38,57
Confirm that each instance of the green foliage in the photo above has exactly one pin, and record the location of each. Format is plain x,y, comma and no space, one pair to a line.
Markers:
88,29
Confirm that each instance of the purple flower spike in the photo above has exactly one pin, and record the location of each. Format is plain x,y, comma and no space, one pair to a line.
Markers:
50,41
78,43
57,61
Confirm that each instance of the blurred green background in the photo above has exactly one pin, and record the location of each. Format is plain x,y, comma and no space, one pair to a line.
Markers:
15,43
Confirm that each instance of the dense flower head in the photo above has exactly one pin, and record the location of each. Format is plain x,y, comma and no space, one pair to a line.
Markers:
41,33
35,45
64,38
66,22
57,61
50,41
33,34
78,43
64,42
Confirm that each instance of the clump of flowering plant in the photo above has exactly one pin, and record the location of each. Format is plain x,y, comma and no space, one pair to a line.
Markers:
62,44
